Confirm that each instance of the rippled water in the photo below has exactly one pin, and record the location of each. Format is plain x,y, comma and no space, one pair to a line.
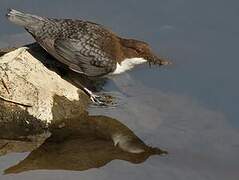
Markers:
189,109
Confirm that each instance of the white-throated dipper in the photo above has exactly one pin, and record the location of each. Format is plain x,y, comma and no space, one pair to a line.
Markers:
86,47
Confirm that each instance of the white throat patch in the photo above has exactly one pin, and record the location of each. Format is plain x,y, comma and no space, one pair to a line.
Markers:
128,64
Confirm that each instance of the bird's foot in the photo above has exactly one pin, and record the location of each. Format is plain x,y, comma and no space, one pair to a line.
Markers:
105,99
98,100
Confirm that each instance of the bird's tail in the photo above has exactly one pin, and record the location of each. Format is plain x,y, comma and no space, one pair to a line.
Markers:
23,19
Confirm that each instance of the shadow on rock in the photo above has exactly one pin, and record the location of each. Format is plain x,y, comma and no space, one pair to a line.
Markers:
83,143
51,63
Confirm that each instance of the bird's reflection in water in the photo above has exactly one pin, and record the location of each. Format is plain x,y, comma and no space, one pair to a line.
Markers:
86,142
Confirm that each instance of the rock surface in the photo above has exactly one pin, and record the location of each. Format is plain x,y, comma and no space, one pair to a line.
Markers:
33,94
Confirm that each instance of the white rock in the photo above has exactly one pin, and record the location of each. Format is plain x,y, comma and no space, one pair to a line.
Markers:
30,82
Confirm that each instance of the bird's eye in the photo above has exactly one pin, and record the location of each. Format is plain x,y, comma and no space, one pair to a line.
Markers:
140,50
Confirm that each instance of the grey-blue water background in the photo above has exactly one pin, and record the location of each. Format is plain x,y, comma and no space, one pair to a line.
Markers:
190,108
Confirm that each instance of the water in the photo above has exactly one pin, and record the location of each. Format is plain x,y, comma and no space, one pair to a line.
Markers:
189,109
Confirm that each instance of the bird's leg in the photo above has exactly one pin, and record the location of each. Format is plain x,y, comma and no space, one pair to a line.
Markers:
93,97
96,99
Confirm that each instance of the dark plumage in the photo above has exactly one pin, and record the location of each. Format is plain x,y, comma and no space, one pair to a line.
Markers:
84,46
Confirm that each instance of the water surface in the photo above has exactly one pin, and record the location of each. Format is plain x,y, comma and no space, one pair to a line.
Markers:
189,108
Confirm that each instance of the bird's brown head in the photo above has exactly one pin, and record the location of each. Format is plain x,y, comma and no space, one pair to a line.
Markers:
140,49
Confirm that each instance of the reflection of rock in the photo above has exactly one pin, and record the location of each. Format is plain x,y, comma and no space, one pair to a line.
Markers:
28,89
12,146
86,142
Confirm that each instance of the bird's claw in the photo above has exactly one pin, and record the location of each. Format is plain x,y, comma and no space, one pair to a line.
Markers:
97,100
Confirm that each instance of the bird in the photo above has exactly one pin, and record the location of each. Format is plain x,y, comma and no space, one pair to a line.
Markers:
86,47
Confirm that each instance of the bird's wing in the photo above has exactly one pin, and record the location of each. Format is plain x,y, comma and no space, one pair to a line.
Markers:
84,57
